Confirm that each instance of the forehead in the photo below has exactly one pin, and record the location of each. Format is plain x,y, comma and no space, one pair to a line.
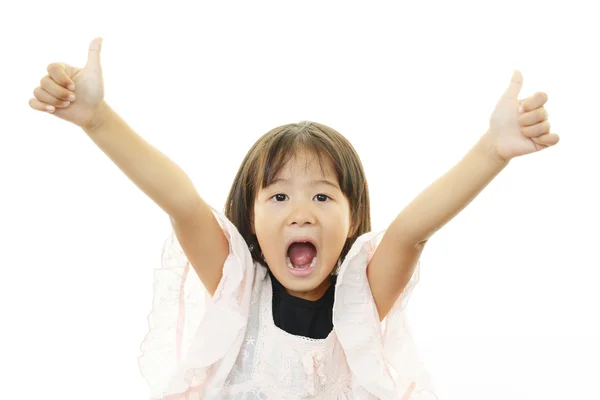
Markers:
307,162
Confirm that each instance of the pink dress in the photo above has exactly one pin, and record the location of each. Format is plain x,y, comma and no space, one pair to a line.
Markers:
227,346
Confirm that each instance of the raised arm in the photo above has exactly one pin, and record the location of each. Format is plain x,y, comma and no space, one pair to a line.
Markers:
77,95
511,134
194,224
152,171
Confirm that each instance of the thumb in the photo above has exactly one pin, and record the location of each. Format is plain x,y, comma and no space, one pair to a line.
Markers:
94,54
516,83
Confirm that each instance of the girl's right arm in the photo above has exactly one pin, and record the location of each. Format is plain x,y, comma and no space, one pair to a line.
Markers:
194,224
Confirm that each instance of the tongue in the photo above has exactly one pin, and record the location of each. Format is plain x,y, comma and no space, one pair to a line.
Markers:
301,253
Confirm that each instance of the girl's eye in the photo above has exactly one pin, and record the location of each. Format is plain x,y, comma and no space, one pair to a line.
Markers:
283,197
322,197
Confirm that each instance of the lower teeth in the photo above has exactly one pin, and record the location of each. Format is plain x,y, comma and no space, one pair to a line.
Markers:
311,265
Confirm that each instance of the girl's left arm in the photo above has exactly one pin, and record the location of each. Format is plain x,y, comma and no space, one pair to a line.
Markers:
396,257
512,133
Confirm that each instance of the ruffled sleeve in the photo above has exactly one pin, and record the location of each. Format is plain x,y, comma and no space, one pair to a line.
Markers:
381,355
192,336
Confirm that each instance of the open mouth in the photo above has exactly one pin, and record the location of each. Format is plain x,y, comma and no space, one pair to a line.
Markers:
301,256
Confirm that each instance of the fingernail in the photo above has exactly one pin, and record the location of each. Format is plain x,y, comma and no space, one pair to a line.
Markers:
50,108
66,103
71,87
520,109
71,97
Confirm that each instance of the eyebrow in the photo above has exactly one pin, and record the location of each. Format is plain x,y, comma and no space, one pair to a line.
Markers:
312,183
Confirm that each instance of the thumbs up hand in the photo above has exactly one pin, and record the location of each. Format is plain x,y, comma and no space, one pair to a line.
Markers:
519,127
73,94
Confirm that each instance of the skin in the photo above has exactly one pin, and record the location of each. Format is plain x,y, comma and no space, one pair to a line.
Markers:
517,128
294,206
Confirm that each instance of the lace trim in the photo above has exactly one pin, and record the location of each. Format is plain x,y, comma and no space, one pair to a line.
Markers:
318,359
186,335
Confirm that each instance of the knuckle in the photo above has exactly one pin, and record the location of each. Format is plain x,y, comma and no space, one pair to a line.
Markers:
534,131
540,129
52,88
36,104
56,72
44,82
61,81
61,92
64,84
57,102
52,68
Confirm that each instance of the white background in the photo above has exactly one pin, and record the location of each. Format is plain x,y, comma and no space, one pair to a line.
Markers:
507,306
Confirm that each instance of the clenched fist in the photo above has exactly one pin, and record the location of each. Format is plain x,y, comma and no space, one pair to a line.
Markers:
73,94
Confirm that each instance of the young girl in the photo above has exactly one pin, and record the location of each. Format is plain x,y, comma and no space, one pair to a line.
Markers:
305,301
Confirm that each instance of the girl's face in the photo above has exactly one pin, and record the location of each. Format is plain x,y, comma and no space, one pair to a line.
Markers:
302,204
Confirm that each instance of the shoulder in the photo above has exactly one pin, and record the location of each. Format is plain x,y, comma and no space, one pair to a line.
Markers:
370,344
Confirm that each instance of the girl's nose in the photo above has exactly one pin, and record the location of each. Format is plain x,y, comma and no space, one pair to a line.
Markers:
301,216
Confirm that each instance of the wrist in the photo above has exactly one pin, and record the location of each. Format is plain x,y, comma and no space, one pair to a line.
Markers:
488,148
101,115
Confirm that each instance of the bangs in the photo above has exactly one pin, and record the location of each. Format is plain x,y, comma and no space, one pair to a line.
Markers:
284,147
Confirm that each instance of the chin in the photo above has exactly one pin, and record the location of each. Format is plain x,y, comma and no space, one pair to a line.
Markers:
300,285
